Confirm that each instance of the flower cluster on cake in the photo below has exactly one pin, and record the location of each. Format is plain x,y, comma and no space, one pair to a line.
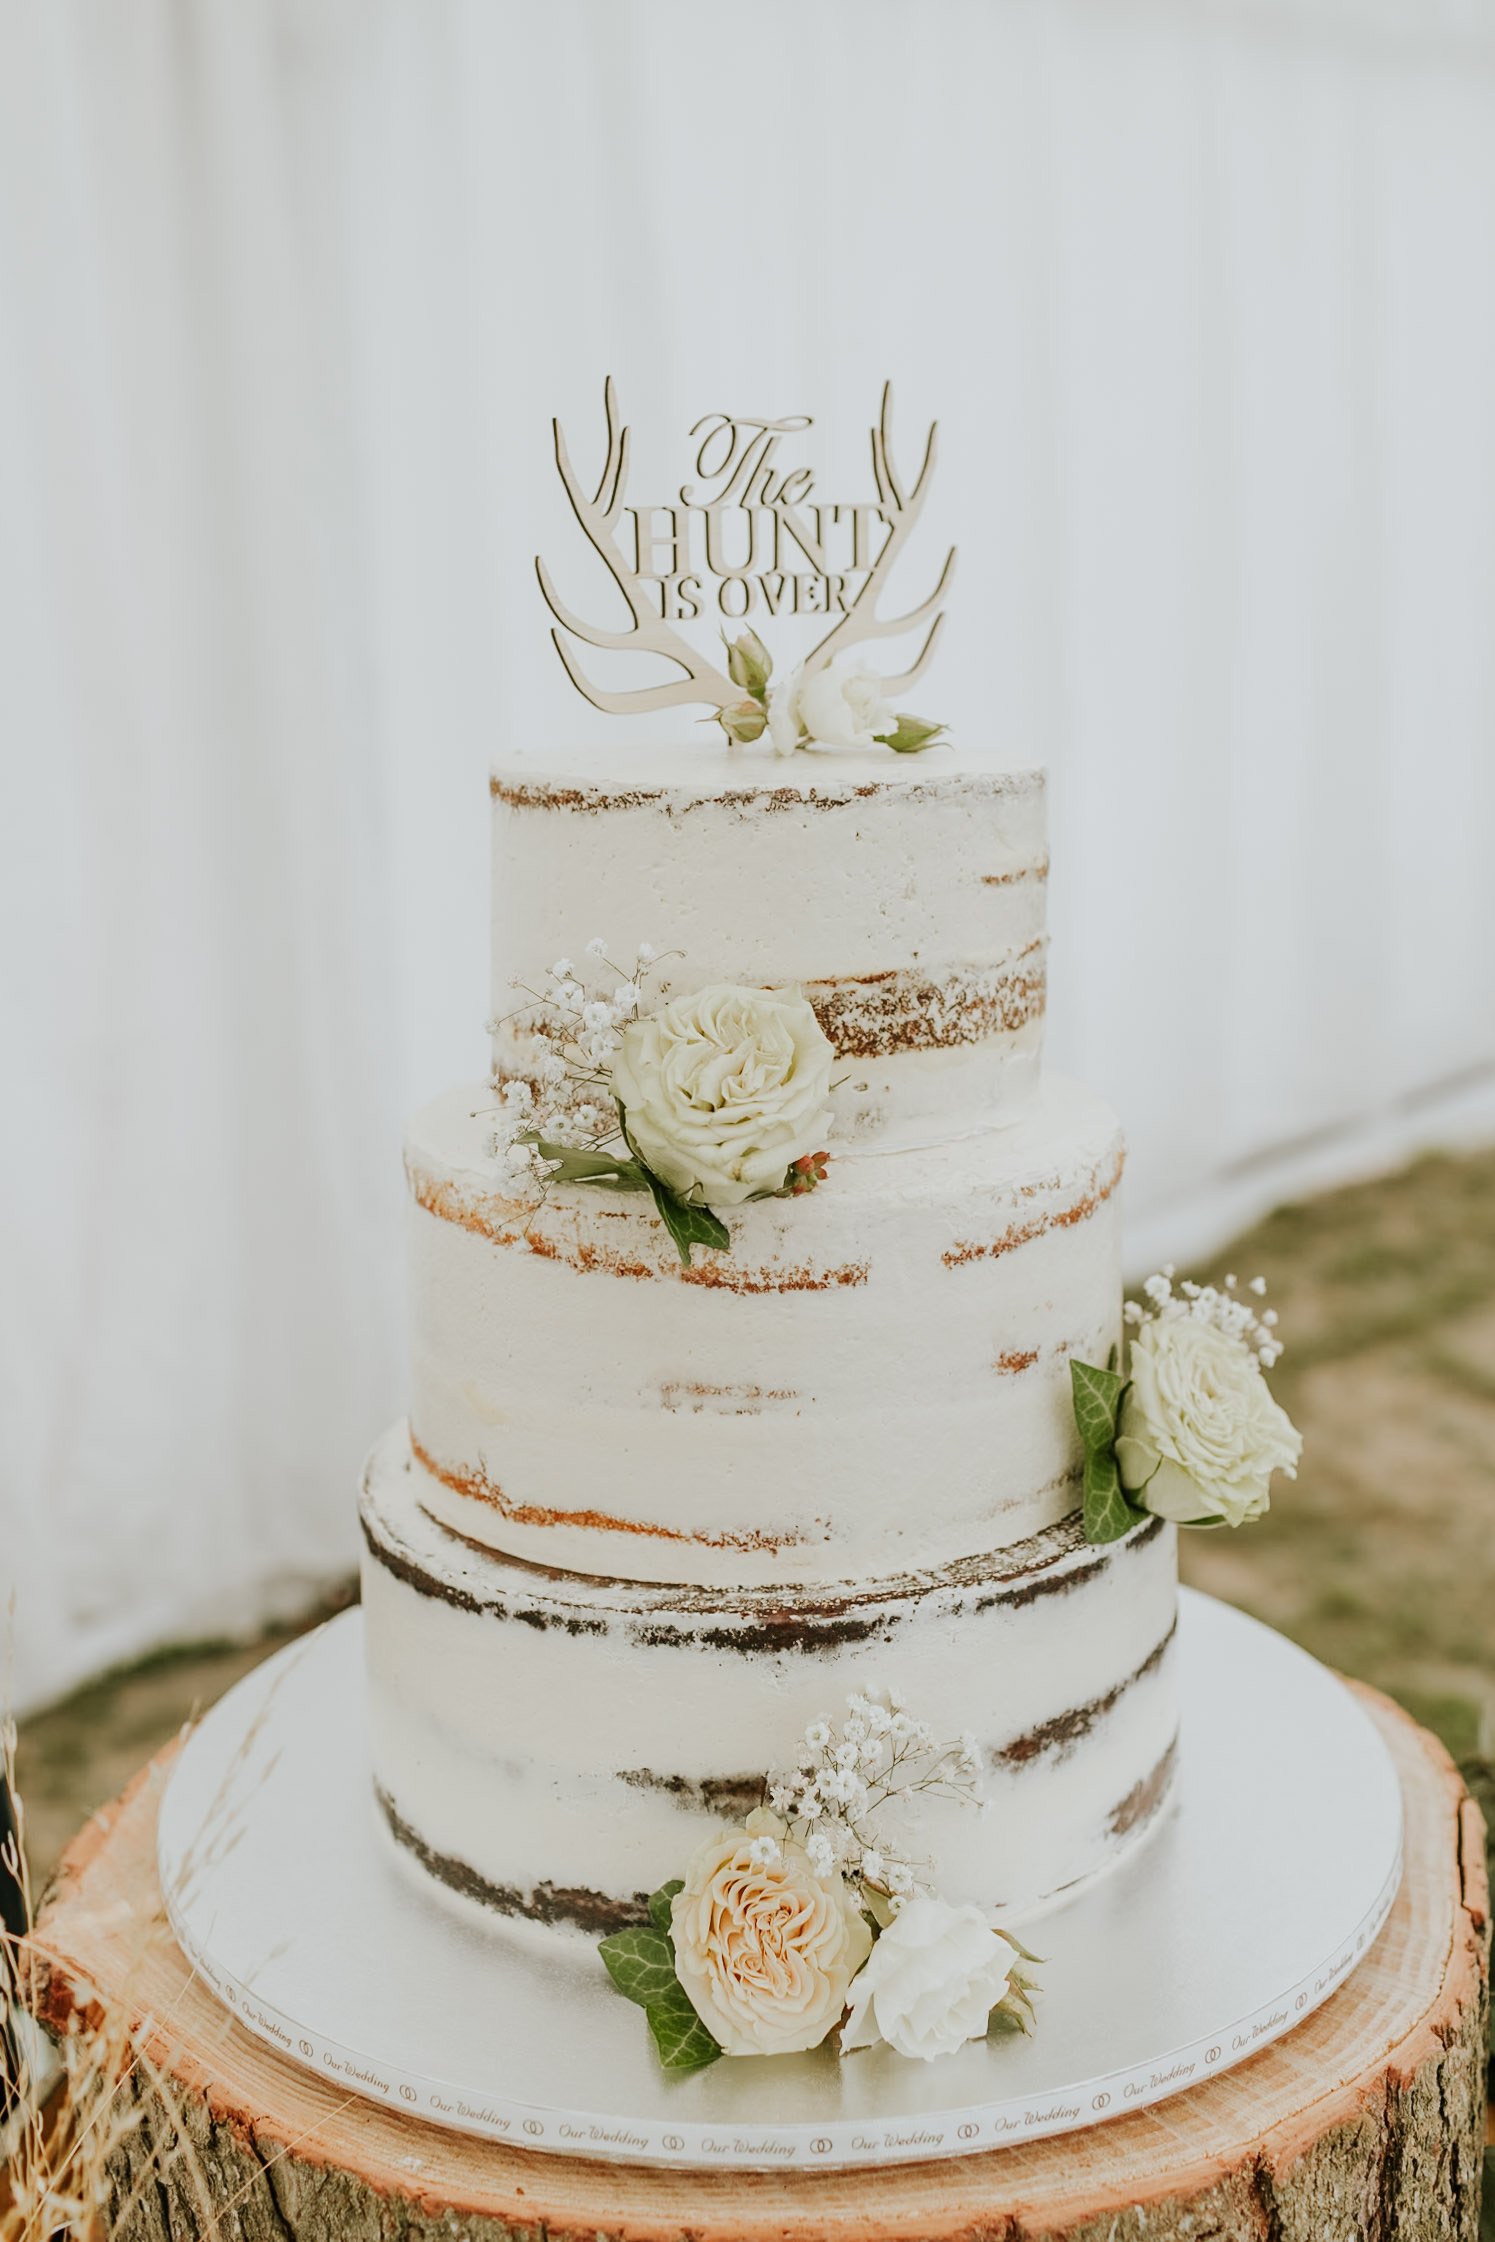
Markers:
809,1917
708,1101
1190,1432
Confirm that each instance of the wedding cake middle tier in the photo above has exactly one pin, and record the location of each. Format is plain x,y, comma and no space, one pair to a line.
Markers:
875,1380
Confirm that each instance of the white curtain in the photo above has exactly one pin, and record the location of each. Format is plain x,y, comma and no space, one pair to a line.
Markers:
1204,296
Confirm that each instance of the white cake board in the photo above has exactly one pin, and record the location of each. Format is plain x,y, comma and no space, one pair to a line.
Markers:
1265,1881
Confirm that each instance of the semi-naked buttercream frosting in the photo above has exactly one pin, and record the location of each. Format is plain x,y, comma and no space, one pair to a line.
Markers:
650,1516
903,894
876,1376
555,1746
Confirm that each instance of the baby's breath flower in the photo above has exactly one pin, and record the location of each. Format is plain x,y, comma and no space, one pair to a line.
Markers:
855,1770
571,1051
763,1851
1223,1309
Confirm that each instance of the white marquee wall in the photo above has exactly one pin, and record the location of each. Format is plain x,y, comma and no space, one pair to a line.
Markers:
1204,295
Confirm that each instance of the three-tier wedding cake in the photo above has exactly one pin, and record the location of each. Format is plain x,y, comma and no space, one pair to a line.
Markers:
777,1484
771,1605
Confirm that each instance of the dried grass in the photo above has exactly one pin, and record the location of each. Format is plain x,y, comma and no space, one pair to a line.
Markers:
96,2122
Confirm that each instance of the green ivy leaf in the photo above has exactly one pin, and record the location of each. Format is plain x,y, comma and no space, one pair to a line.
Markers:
1098,1395
911,735
1097,1404
688,1226
683,2041
1108,1514
641,1963
659,1905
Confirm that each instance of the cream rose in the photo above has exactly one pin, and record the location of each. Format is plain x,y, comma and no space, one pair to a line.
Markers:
724,1090
1199,1434
765,1949
835,708
934,1978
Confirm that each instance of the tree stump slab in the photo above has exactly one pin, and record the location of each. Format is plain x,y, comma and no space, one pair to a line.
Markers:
1366,2124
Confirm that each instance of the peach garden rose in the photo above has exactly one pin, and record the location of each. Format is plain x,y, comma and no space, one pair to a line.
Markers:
765,1948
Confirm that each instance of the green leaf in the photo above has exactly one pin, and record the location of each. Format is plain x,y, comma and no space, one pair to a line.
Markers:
688,1226
1108,1514
659,1904
683,2041
912,735
610,1171
641,1963
1098,1395
1026,1952
1097,1404
1002,2021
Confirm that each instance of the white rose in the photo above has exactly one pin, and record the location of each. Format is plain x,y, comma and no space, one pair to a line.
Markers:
934,1978
724,1090
765,1949
782,712
1199,1434
836,708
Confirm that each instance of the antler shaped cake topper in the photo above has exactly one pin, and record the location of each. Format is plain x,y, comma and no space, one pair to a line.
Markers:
900,510
800,557
649,632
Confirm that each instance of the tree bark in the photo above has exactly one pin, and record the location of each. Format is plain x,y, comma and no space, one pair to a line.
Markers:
1366,2124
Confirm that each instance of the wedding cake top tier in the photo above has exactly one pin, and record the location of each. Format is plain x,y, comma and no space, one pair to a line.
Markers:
904,895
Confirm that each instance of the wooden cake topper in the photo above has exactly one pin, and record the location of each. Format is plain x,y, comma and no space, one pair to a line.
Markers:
747,540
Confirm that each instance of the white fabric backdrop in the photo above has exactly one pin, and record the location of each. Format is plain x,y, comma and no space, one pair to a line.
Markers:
1204,295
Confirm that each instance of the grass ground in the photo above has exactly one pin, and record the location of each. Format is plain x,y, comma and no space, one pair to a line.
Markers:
1380,1559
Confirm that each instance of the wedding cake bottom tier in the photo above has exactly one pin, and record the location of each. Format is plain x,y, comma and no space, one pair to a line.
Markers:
553,1746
